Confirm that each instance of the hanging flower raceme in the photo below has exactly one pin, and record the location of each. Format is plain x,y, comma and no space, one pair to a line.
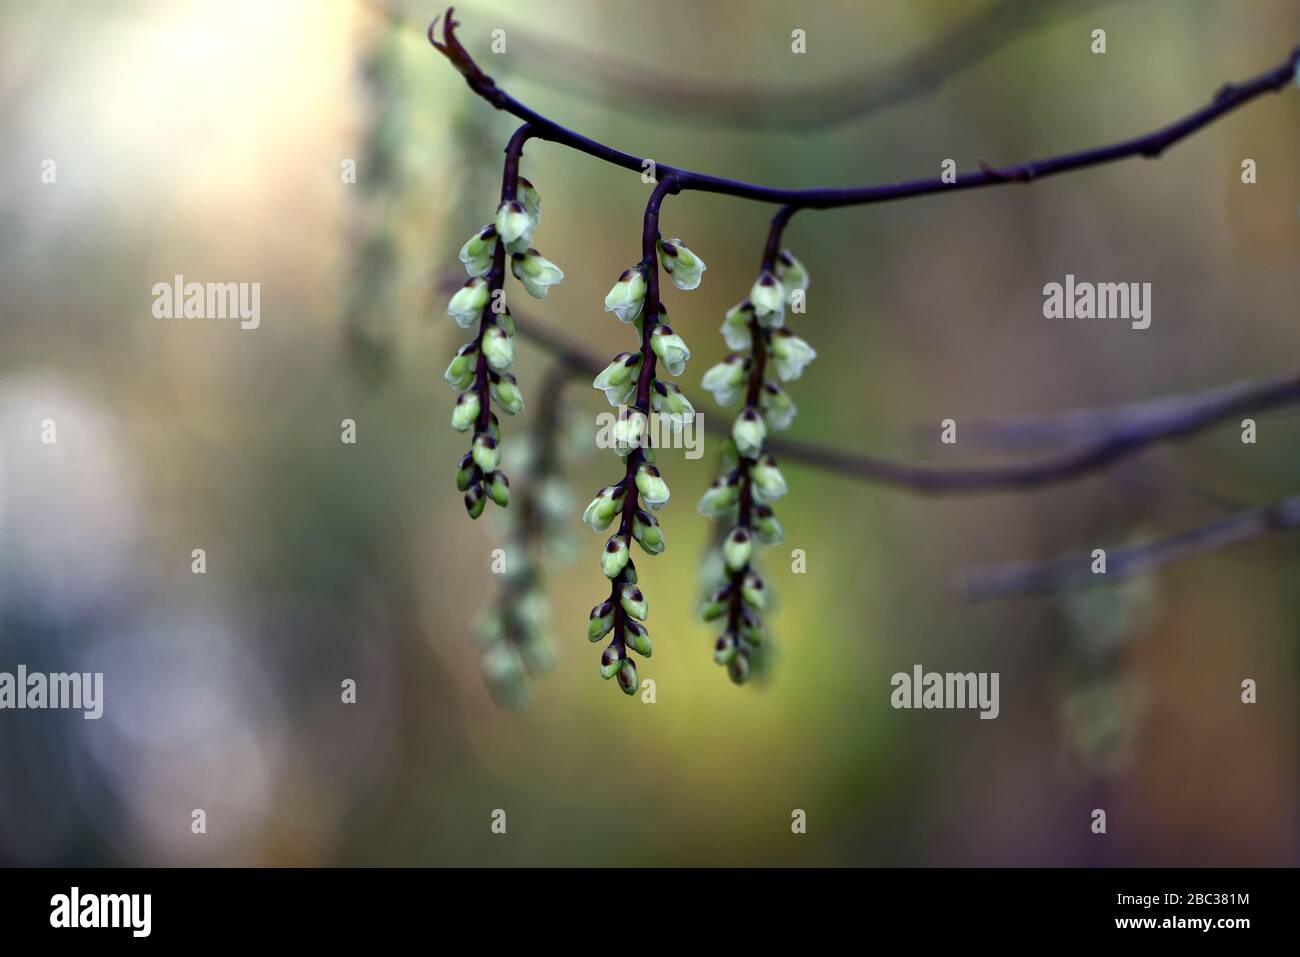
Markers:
750,481
480,370
512,629
637,393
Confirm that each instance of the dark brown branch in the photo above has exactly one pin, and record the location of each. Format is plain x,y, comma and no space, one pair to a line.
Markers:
1192,414
1150,145
1056,430
1018,579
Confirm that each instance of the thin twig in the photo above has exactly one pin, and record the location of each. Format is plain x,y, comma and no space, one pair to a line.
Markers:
1017,579
1180,417
1056,430
1150,145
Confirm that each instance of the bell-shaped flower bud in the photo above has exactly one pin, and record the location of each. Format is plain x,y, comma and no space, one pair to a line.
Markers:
634,602
536,272
498,488
611,659
719,499
505,392
738,668
628,432
735,326
684,268
498,348
725,379
716,604
627,297
637,638
670,348
460,373
753,592
667,399
603,508
514,225
467,473
648,534
653,489
477,253
792,274
790,354
748,432
614,558
751,627
737,549
769,483
618,379
465,413
776,405
767,529
768,298
487,455
725,648
467,304
475,500
627,679
527,194
600,621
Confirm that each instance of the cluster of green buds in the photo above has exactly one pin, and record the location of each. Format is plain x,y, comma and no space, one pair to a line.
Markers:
512,630
750,481
637,392
480,370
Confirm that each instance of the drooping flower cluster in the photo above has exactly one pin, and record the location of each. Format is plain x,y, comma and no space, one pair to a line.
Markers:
480,371
512,631
750,480
631,384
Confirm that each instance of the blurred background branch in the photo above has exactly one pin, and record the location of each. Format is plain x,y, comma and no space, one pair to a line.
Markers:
1113,433
580,71
1015,579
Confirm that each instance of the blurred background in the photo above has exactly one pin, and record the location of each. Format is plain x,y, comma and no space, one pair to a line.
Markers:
208,139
